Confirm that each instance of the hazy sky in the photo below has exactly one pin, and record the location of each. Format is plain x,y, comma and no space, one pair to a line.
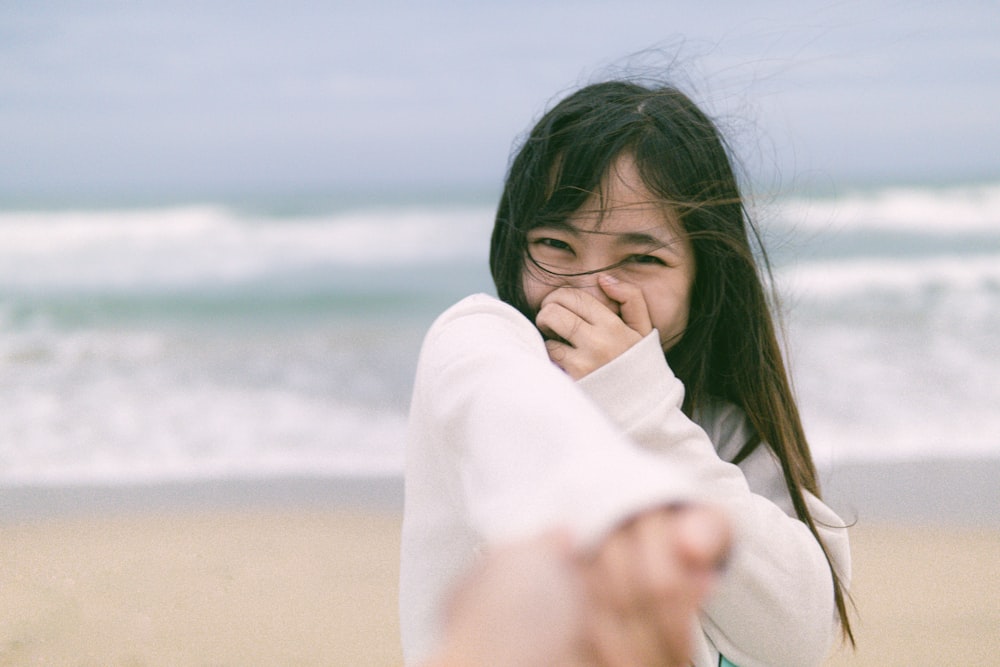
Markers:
113,98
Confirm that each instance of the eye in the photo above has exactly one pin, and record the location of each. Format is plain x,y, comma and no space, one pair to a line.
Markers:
552,243
646,259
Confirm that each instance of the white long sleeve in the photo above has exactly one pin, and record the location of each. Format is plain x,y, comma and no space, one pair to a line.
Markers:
775,606
503,445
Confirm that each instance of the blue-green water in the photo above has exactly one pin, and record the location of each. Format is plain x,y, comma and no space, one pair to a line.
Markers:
181,342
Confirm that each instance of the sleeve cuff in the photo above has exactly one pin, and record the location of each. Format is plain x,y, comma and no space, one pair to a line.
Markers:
634,383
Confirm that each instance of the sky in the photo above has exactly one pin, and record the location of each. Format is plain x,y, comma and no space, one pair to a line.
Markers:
184,98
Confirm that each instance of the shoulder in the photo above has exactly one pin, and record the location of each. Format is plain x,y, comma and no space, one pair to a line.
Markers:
729,429
477,327
480,310
475,303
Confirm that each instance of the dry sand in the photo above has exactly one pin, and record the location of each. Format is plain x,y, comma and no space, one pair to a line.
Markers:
925,596
210,588
312,587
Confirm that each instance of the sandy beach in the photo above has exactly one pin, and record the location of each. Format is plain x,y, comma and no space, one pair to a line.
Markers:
925,595
266,574
201,588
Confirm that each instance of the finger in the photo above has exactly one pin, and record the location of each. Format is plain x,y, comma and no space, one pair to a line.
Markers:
704,539
681,550
672,554
624,624
614,570
576,362
555,320
573,362
559,352
577,311
595,335
657,565
587,307
610,628
698,538
673,592
634,311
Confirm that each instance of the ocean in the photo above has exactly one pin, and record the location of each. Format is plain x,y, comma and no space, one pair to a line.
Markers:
213,341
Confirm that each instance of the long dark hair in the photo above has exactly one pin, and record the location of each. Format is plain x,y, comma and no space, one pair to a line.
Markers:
730,349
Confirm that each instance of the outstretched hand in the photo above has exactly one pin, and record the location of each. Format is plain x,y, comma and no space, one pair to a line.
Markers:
631,602
521,606
583,332
646,583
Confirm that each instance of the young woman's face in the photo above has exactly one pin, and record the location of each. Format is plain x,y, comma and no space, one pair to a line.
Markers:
627,235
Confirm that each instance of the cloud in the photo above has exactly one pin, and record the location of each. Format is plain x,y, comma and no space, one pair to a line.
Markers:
184,94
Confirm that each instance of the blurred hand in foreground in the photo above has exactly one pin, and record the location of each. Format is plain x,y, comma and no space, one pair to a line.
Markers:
632,601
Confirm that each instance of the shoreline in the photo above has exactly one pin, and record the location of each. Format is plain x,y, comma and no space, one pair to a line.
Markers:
940,491
368,494
960,492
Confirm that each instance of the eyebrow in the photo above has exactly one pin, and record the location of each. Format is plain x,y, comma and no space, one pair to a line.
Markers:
558,225
644,239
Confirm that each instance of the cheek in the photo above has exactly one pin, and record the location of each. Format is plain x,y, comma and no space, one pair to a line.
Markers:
534,289
670,314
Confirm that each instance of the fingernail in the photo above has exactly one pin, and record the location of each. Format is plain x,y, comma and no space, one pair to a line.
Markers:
608,279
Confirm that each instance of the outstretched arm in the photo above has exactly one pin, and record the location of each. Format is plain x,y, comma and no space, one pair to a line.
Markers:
526,446
503,446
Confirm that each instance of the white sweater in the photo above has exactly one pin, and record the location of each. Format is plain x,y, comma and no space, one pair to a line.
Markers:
502,444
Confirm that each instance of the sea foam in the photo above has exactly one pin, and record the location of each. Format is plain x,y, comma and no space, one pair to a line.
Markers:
940,211
187,246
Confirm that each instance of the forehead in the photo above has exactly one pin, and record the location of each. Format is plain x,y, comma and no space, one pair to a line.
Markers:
646,220
628,230
624,206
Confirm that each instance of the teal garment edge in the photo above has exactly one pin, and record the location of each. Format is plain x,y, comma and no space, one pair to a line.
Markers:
725,663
